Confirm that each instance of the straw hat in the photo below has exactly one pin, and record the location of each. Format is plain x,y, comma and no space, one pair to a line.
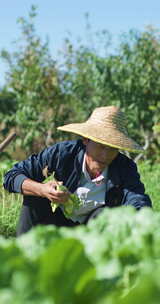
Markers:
106,125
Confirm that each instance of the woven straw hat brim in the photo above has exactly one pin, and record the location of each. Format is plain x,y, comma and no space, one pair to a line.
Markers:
107,136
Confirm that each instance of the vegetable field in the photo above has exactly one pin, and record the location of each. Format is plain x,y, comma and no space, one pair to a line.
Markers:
113,260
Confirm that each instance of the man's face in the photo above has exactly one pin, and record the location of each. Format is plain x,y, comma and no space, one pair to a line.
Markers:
98,156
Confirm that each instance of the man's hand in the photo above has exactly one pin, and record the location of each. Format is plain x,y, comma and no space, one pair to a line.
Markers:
48,190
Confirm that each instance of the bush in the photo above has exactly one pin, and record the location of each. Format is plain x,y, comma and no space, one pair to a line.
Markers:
10,204
150,175
114,260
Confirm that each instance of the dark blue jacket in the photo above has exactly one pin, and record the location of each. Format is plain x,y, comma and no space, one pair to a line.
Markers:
123,185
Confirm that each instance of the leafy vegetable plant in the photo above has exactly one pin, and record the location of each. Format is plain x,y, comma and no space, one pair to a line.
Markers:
73,202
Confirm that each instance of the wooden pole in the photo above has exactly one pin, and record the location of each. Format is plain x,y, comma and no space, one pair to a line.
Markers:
6,142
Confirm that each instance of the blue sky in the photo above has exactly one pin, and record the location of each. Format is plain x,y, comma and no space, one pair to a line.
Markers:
56,18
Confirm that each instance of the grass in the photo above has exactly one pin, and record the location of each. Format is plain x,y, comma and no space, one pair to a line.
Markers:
9,212
150,176
11,203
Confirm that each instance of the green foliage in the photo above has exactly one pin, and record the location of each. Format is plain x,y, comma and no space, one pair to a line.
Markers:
10,204
73,202
130,79
150,175
110,261
7,110
9,213
114,260
7,102
138,79
85,80
34,80
49,94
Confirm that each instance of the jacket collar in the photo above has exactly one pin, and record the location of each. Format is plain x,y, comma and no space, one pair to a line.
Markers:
74,178
113,173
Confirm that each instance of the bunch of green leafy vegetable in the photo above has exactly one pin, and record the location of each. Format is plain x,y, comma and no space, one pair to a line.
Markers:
113,260
73,202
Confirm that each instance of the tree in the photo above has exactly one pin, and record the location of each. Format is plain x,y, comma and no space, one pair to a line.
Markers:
7,110
33,78
129,78
48,95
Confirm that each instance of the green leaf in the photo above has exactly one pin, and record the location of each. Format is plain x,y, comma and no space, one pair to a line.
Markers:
64,269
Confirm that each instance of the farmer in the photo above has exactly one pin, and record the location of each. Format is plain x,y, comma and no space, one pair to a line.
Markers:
91,167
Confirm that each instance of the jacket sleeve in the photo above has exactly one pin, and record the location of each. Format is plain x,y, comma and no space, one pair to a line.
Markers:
31,168
134,190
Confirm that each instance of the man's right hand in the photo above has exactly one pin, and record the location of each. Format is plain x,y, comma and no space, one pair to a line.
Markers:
48,190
